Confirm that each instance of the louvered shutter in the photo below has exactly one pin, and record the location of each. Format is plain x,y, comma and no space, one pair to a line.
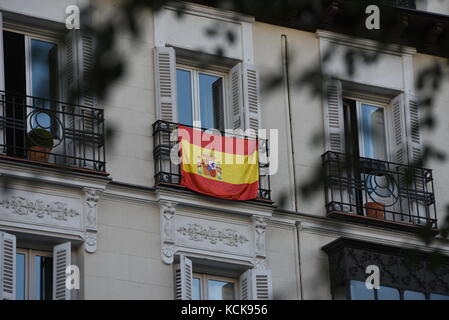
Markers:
256,284
2,67
334,116
413,129
183,279
165,80
251,98
398,140
70,74
245,286
7,266
61,259
236,85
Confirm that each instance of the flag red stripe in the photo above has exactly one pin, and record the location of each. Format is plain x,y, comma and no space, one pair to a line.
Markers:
231,145
219,189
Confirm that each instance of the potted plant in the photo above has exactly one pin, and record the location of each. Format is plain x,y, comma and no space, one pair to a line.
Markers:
375,210
39,144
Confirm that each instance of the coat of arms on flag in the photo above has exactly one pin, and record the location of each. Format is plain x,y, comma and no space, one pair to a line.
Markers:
219,166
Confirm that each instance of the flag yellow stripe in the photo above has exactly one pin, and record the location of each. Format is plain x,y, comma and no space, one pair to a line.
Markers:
235,169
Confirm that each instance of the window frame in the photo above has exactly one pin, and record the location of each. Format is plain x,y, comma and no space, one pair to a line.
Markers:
195,92
359,103
30,254
37,35
204,288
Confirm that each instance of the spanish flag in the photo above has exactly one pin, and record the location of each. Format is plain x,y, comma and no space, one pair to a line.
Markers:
219,166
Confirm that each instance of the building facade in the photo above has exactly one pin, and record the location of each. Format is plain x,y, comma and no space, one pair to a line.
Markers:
110,205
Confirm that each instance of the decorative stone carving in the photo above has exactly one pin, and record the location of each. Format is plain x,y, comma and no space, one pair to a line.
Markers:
260,226
167,211
91,198
90,241
260,263
39,208
228,237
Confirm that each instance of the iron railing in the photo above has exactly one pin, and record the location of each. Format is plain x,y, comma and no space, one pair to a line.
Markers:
51,132
380,190
167,172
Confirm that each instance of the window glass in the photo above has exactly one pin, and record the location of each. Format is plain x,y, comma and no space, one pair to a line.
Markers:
413,295
388,293
184,92
43,78
359,291
211,97
196,290
435,296
220,290
373,132
43,277
20,276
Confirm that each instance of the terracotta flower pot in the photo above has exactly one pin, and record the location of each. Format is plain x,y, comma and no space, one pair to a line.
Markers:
375,210
38,154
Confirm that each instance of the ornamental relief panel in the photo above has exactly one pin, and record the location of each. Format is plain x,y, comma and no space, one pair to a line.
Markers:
42,209
213,235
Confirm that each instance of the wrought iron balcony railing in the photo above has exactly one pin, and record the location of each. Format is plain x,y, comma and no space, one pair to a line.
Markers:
168,173
53,133
378,191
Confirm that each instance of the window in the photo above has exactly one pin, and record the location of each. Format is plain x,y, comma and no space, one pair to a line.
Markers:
200,98
207,287
30,68
253,284
34,275
365,129
359,291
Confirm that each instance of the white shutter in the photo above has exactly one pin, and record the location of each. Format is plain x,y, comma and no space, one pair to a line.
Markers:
236,85
70,69
86,61
256,284
245,286
413,129
2,66
398,139
7,266
165,80
61,259
183,279
334,116
251,99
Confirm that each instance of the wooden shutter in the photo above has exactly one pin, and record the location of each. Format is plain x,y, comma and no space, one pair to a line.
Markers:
165,80
2,67
183,279
334,116
398,136
236,85
251,99
7,266
245,286
256,284
61,259
412,119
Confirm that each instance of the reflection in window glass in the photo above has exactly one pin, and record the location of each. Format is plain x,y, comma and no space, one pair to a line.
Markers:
220,290
196,288
373,132
413,295
387,293
20,276
435,296
43,278
184,92
211,97
43,78
359,291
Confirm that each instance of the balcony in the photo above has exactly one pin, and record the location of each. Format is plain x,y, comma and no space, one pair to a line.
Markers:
379,192
168,174
51,133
